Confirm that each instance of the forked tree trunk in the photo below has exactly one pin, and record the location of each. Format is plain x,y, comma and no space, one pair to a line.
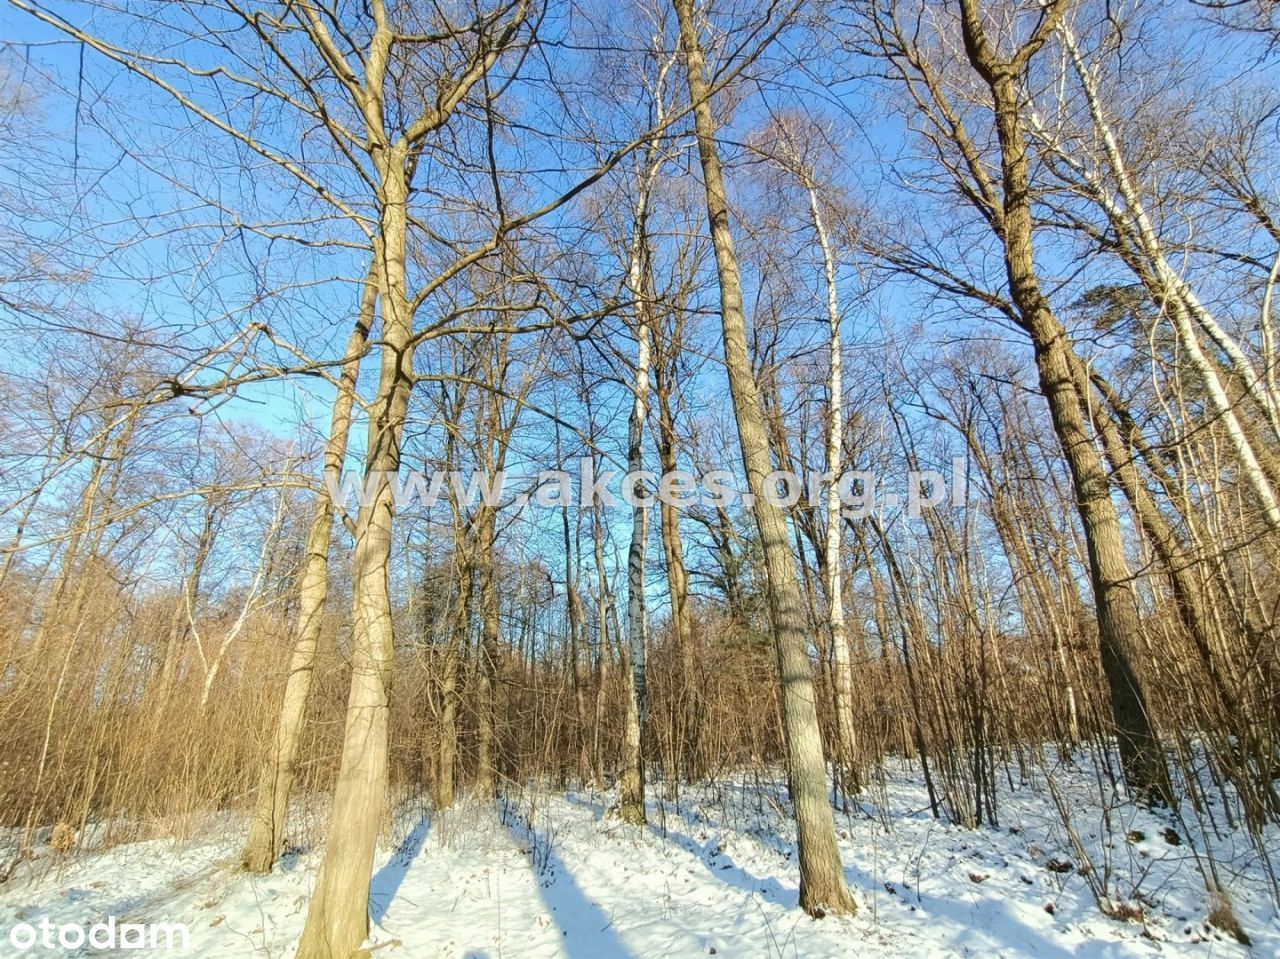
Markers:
338,918
822,881
184,611
275,783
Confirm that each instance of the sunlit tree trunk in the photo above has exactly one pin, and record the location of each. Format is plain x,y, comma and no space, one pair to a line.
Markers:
822,881
1178,300
338,920
1119,626
842,669
631,781
275,783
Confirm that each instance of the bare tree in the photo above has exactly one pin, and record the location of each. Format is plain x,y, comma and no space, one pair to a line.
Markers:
1006,207
822,882
266,828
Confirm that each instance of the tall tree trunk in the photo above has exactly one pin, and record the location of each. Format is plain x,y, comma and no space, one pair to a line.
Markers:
842,667
486,733
275,782
450,682
493,458
822,881
687,709
631,781
604,612
574,616
1119,626
338,918
460,629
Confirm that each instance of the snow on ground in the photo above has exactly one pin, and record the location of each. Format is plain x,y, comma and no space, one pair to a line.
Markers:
550,875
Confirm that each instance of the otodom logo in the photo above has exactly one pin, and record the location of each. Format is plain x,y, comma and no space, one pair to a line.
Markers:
108,934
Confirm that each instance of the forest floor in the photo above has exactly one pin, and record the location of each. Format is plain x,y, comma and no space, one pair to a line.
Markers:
550,874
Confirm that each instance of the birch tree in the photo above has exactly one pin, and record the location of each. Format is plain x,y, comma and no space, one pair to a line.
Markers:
1114,190
793,151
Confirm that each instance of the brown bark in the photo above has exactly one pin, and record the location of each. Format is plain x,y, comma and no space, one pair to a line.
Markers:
450,681
687,725
487,674
1119,626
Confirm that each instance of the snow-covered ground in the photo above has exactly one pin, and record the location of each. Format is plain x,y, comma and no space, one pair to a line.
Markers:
547,874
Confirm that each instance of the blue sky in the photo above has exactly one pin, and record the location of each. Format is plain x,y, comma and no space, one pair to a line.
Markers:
116,154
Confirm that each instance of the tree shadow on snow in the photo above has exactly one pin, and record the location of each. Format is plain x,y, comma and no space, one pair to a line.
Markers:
721,865
976,919
587,931
709,853
386,881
